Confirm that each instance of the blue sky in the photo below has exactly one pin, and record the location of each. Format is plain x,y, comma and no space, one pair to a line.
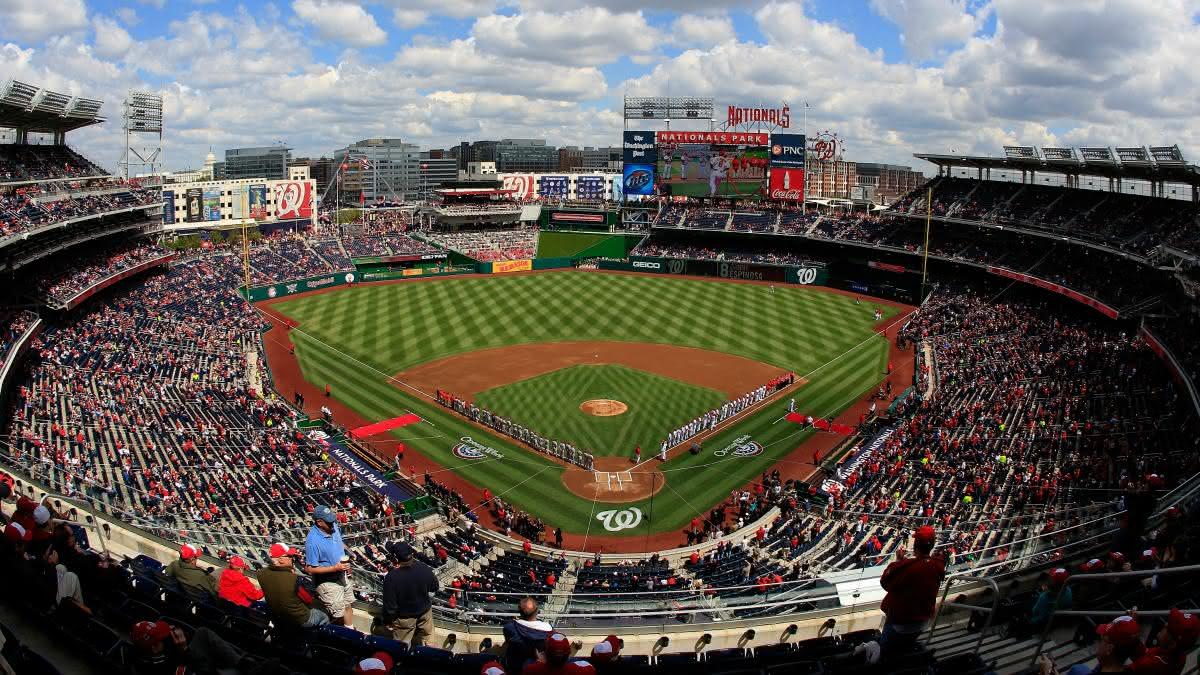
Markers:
892,77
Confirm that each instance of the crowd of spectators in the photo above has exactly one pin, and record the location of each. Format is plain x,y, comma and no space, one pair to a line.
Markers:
12,326
28,207
19,163
98,266
489,245
766,256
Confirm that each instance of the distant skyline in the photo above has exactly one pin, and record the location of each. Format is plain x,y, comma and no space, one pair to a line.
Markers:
891,77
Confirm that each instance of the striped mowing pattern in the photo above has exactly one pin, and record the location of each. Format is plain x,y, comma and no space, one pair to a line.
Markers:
550,404
566,244
356,338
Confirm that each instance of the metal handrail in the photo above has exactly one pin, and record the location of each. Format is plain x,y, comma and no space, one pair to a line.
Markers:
1101,575
991,613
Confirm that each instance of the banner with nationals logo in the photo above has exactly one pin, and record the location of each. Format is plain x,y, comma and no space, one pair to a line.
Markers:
293,200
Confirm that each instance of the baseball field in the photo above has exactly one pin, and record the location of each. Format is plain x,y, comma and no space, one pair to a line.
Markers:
606,361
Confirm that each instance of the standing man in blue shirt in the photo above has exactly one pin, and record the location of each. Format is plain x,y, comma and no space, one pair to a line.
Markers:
326,562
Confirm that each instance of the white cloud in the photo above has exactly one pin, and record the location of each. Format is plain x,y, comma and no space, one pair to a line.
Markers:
154,3
111,40
128,16
341,22
928,25
692,31
578,37
29,22
409,18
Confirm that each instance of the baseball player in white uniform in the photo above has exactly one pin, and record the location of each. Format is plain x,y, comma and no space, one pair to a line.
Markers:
668,152
717,166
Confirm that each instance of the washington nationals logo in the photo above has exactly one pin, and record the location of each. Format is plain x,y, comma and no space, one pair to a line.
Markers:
467,452
521,185
827,146
350,278
271,292
677,266
625,519
291,199
742,446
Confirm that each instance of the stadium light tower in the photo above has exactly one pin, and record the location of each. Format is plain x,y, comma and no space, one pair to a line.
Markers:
143,116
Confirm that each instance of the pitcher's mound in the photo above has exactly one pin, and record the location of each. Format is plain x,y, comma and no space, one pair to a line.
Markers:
603,407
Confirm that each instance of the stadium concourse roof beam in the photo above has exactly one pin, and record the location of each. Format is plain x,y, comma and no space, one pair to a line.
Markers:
29,108
1160,165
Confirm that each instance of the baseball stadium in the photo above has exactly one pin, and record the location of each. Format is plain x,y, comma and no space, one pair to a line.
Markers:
685,415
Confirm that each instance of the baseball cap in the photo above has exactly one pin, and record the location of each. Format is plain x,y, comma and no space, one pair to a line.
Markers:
279,550
1174,512
1185,626
1059,575
325,513
557,644
492,668
400,551
925,534
26,504
5,490
379,662
146,634
1092,565
1123,631
607,649
1116,556
237,562
14,532
41,515
189,552
1150,554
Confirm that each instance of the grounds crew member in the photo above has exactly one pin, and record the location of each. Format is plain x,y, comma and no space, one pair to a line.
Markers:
407,611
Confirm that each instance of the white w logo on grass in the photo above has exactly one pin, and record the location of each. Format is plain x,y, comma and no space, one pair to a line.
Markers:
625,519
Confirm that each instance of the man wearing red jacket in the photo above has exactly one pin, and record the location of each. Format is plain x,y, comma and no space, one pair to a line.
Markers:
912,586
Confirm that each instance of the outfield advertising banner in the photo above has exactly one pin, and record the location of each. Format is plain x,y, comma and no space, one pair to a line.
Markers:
212,204
286,288
195,205
257,201
638,180
168,207
804,276
589,187
552,186
640,148
505,266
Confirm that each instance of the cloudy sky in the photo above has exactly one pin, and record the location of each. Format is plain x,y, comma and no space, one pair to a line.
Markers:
892,77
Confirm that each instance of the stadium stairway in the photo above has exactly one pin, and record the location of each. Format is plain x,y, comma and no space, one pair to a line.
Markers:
557,602
1002,654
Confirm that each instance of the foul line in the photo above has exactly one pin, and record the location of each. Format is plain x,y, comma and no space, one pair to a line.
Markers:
497,496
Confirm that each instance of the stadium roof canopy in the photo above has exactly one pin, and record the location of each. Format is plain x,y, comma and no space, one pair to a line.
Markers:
1164,164
40,110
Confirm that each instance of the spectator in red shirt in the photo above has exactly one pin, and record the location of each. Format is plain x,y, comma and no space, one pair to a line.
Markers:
1175,640
235,587
912,585
553,661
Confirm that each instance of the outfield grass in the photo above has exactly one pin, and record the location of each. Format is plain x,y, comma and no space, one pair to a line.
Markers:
550,404
356,338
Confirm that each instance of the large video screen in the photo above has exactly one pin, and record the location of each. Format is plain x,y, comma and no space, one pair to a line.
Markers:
712,164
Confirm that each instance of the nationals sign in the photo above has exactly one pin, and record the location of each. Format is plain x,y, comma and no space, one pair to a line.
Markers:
786,184
713,137
293,200
780,117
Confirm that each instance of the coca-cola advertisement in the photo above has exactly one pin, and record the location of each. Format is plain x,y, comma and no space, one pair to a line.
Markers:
786,184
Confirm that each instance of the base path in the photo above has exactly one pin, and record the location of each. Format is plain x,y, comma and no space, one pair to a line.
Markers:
465,375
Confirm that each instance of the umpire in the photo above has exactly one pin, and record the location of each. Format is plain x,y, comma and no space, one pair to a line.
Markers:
407,611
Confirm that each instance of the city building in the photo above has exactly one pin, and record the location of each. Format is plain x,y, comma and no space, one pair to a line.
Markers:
320,170
269,162
574,159
391,170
